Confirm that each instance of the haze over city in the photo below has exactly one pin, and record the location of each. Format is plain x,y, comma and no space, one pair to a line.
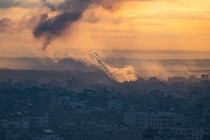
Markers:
73,29
104,69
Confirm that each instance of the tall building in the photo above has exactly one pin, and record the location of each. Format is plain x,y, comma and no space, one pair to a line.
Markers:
152,119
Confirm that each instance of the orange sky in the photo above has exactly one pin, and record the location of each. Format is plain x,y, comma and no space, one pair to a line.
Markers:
134,25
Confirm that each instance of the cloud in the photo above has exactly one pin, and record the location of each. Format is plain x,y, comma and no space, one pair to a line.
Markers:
6,3
126,74
134,24
70,11
19,3
74,30
43,64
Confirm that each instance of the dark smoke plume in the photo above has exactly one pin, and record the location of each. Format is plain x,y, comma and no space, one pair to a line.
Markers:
52,28
71,11
48,5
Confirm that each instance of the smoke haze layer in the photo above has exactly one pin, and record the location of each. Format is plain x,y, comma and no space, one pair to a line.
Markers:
73,28
71,11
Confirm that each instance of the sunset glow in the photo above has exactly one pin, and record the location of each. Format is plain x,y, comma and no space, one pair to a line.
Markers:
132,25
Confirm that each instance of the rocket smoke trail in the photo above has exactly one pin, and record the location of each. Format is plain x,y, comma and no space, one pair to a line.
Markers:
105,68
70,12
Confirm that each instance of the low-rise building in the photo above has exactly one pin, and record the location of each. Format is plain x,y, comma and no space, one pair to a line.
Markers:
47,135
186,133
17,123
152,119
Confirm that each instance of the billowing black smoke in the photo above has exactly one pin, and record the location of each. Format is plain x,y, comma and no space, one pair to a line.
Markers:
70,12
48,5
51,28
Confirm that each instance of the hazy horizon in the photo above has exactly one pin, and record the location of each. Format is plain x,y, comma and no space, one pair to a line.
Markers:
140,60
129,35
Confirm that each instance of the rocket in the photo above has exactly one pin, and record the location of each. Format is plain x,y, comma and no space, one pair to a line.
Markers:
105,68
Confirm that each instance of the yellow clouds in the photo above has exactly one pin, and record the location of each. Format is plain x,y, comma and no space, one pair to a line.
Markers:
158,25
134,25
16,39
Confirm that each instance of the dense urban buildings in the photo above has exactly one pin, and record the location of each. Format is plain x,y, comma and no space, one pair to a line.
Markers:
74,105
